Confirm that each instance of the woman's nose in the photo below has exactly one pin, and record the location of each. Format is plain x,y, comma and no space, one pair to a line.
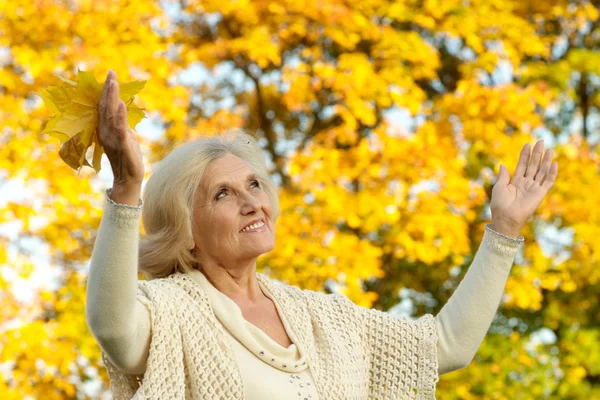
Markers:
250,203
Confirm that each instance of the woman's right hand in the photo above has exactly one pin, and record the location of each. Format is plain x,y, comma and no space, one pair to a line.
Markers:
117,138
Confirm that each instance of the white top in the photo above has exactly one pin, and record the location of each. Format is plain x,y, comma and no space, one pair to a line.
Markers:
258,356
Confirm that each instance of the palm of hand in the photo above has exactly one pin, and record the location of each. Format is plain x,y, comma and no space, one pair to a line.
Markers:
516,200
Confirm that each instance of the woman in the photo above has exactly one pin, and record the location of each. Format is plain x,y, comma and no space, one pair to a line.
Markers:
205,325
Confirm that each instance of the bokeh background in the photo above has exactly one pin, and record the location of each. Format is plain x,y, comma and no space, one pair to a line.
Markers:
384,123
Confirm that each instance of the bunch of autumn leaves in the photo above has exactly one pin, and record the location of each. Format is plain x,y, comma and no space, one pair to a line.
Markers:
75,122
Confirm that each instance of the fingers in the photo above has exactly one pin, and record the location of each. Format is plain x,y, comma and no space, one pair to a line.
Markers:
536,156
122,125
109,100
113,99
551,177
522,163
545,167
104,97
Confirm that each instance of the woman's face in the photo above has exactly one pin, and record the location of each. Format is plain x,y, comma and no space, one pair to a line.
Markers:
229,197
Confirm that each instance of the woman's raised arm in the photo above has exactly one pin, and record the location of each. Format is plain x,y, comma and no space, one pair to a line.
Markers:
464,321
119,322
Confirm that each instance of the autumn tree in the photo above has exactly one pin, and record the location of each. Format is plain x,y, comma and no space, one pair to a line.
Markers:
385,124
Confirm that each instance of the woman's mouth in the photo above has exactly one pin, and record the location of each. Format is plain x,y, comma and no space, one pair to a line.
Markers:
257,227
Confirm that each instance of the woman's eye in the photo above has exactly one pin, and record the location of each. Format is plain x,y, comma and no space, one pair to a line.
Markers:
225,190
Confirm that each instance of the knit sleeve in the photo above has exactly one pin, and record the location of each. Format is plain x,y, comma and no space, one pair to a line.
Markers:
402,354
113,273
466,317
124,386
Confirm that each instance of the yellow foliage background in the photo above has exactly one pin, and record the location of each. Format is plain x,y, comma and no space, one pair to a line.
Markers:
385,123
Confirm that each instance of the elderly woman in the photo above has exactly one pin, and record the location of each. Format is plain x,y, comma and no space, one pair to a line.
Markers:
206,325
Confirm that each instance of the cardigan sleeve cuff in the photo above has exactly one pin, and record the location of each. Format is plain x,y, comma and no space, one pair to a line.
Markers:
500,243
124,215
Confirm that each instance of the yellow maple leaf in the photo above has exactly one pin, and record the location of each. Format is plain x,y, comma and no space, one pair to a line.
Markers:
76,116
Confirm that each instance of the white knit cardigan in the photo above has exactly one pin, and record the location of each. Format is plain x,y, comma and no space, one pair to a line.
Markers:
353,352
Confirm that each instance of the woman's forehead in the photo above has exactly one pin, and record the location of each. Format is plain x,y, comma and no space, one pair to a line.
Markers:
226,171
228,164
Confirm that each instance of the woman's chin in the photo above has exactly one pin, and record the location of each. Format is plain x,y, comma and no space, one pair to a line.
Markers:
259,250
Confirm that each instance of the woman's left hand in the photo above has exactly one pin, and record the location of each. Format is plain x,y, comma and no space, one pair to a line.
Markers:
515,200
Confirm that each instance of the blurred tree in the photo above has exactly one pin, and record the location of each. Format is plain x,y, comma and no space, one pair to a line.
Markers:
385,123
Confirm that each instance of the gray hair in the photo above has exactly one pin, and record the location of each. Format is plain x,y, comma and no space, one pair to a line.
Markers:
170,194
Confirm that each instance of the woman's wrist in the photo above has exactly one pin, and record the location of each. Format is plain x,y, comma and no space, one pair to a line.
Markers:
505,227
127,194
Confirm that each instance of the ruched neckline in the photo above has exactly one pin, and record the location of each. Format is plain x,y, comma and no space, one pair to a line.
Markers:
250,336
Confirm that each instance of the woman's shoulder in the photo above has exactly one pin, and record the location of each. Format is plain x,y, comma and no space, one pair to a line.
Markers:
156,282
160,287
314,299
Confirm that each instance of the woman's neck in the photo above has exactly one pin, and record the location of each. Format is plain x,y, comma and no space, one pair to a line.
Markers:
241,286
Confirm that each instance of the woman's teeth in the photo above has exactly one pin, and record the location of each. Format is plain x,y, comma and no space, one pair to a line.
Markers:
256,225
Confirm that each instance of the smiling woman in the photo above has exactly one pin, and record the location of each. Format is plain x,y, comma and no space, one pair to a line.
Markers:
206,325
195,198
229,200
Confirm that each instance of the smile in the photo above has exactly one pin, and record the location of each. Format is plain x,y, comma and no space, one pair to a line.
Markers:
257,227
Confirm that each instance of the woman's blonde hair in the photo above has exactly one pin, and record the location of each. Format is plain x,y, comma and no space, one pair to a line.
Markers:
170,194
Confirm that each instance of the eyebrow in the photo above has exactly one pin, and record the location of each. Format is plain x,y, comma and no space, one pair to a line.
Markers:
220,185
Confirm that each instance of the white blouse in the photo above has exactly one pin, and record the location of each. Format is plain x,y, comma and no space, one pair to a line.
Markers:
269,371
